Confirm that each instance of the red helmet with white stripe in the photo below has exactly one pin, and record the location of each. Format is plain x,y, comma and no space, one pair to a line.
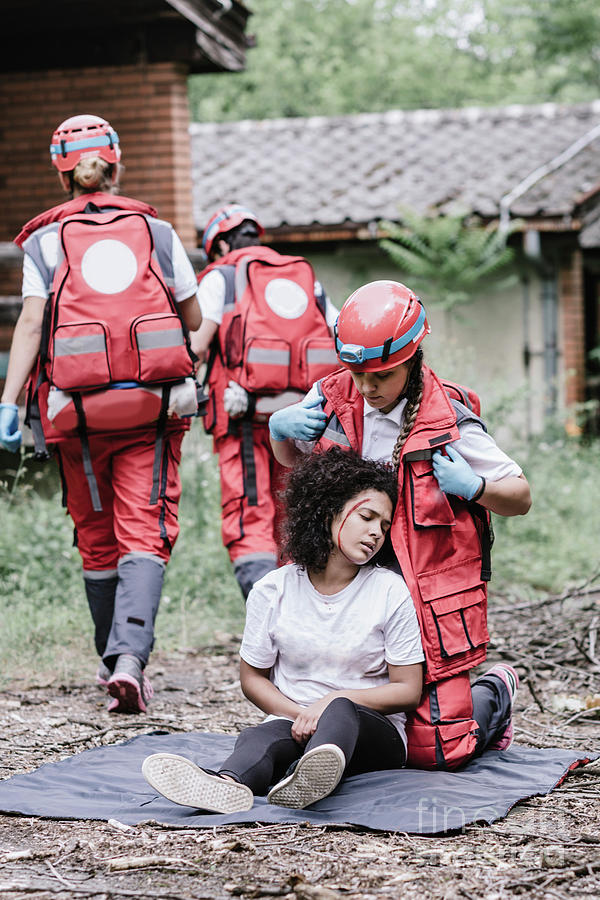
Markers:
225,219
83,136
379,326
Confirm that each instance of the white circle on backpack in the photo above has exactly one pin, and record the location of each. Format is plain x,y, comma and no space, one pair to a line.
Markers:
286,298
109,266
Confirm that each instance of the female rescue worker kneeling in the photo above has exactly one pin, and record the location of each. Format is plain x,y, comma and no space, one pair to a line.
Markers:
108,388
388,405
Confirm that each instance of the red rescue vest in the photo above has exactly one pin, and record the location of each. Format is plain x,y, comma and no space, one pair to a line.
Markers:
273,337
441,542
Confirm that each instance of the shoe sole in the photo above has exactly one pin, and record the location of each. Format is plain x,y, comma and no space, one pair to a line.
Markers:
126,693
316,775
181,781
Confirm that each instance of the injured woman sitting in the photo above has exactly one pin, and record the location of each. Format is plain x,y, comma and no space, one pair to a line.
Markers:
331,651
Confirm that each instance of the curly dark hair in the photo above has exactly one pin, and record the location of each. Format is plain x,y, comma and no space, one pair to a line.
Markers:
318,488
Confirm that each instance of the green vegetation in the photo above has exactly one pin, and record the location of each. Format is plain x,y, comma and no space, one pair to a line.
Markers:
447,258
556,545
46,629
334,57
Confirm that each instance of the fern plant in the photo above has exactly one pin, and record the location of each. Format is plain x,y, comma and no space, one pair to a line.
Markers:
447,258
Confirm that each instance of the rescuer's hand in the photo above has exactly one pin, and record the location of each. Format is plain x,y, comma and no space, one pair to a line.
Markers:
10,436
235,400
303,421
455,476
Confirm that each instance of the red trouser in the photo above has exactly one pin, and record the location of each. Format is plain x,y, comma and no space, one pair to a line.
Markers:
123,466
249,506
441,732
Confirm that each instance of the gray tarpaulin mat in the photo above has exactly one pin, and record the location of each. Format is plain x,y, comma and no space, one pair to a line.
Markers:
106,783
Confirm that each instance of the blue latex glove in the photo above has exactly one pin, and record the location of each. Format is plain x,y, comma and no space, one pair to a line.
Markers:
301,421
10,436
454,474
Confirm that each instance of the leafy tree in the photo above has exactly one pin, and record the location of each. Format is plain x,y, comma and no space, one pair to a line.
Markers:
448,258
568,39
336,57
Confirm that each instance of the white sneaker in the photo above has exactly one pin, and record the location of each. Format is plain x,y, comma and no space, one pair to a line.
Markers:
180,780
316,775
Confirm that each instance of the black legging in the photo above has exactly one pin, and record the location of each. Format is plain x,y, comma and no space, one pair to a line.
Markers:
263,753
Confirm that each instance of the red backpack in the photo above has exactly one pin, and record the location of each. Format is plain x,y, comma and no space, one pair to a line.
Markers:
274,335
115,342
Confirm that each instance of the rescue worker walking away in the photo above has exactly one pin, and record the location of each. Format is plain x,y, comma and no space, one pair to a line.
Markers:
108,296
266,336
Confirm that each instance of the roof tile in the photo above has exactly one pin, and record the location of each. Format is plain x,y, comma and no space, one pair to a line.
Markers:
333,170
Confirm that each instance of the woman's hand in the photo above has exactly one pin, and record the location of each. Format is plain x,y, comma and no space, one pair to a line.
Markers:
305,724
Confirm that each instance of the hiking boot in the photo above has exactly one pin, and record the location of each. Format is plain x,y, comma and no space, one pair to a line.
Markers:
103,675
316,775
510,679
129,686
181,781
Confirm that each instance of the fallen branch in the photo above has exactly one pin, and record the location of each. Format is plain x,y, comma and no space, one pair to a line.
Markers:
123,863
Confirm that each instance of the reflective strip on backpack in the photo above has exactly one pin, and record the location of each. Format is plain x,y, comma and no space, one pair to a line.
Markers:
241,276
159,340
162,235
335,433
270,357
74,346
317,356
228,273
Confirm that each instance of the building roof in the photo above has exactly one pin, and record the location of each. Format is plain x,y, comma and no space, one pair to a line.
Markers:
205,35
325,173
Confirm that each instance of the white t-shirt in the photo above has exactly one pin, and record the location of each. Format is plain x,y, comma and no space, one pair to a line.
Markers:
34,284
475,445
211,297
315,643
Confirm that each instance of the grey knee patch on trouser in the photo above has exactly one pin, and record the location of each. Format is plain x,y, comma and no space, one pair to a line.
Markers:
100,588
140,580
250,569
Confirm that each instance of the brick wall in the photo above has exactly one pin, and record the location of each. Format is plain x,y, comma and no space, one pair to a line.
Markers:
572,326
146,104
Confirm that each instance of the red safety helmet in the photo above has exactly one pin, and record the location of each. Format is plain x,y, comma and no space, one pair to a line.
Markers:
82,136
379,326
225,219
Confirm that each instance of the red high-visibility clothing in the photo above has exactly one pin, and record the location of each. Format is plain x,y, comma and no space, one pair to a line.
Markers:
439,543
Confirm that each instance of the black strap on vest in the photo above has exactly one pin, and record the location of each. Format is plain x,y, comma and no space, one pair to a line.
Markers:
487,539
33,418
158,446
85,452
249,463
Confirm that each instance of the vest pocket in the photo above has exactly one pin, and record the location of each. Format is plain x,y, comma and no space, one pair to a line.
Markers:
162,353
267,365
454,610
430,505
318,359
460,621
80,358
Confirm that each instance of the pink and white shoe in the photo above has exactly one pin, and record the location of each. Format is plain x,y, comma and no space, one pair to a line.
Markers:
128,686
511,680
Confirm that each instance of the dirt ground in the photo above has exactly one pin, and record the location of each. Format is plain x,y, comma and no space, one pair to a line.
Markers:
547,847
